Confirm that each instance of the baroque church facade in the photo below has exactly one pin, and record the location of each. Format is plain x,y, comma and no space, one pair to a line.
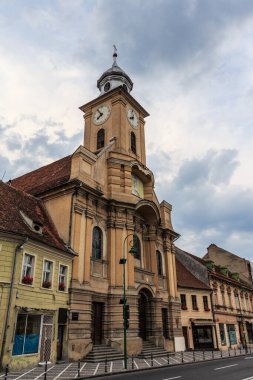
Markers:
101,200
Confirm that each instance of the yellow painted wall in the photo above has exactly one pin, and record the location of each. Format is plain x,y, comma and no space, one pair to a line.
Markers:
35,298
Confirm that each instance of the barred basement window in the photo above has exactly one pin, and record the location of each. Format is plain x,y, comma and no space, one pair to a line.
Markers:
27,334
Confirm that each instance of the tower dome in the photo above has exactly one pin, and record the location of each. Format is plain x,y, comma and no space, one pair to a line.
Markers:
114,77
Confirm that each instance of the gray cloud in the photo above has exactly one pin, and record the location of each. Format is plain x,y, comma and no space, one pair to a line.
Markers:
205,205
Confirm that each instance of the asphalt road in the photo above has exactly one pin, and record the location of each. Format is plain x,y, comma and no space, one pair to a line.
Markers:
238,368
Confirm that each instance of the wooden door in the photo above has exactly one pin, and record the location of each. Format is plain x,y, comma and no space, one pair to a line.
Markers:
185,334
97,322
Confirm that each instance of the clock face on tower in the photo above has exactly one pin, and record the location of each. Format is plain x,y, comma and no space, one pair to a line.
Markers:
132,118
101,114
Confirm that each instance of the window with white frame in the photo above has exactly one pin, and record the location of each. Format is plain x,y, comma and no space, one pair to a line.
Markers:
47,274
62,281
28,269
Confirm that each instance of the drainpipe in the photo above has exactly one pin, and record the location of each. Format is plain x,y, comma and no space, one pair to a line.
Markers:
18,247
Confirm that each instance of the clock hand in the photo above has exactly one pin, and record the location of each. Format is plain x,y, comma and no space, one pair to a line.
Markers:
101,114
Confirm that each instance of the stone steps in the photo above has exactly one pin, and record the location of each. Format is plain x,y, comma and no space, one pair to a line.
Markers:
101,353
149,348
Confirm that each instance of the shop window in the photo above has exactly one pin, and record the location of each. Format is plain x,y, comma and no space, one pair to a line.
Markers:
28,269
231,334
183,302
27,334
101,138
205,303
62,279
133,142
249,327
97,243
159,263
47,274
222,334
194,302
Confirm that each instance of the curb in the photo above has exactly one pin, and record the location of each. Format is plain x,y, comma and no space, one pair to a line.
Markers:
153,368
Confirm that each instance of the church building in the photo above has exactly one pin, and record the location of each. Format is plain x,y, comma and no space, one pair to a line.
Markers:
102,201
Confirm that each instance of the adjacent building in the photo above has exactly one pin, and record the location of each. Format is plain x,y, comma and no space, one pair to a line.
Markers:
232,307
196,306
35,275
102,201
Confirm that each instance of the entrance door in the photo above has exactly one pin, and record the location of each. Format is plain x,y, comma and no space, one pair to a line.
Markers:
97,322
185,334
46,338
145,319
60,341
165,323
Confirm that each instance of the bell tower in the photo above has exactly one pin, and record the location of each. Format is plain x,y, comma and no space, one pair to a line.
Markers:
115,116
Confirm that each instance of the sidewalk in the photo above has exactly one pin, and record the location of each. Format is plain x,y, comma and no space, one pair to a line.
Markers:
69,371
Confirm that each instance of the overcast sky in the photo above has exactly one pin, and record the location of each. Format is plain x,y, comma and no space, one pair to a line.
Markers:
191,63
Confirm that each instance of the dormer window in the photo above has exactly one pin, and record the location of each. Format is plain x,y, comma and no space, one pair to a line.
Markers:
34,225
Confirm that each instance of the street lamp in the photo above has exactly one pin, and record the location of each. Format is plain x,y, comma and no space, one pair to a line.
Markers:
123,260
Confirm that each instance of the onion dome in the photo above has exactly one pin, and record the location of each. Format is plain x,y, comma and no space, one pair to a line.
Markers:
114,77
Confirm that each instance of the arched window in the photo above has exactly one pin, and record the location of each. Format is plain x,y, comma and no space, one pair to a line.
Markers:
159,263
97,243
137,246
101,138
133,142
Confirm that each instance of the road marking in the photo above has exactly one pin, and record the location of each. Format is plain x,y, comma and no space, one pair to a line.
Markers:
81,369
96,369
65,369
157,362
248,378
23,373
136,364
42,374
227,366
111,366
146,362
249,357
170,378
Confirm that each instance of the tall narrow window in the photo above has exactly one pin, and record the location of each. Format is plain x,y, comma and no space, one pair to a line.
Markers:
97,243
62,280
194,302
237,304
47,274
205,303
101,139
183,302
133,142
28,269
159,263
137,247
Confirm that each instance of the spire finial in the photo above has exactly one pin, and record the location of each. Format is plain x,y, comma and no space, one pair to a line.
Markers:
115,55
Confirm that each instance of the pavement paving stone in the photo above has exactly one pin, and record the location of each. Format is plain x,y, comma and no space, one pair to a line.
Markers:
69,371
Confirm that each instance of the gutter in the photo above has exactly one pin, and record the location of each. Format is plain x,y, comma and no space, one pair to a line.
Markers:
17,249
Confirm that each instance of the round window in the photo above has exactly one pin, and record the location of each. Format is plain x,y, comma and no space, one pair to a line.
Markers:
107,86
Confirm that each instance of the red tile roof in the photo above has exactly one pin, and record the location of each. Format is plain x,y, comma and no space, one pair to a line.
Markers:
185,279
44,178
12,202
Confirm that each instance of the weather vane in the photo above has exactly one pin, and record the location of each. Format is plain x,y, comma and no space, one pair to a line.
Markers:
115,55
